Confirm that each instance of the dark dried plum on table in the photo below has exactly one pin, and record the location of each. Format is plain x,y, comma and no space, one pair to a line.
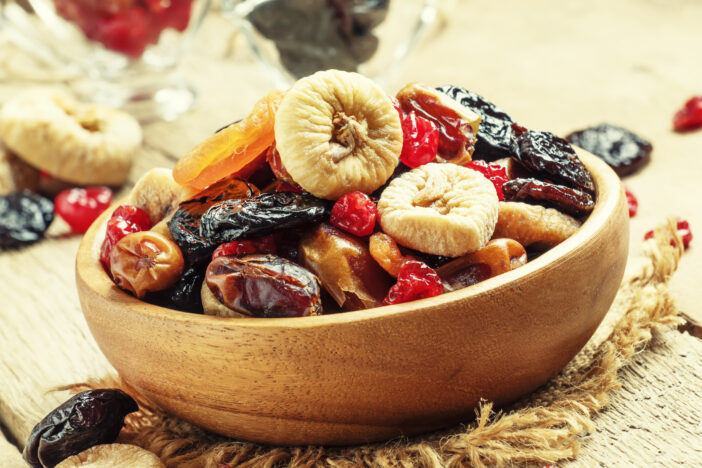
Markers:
568,200
24,217
551,157
264,286
89,418
185,223
495,128
622,149
235,219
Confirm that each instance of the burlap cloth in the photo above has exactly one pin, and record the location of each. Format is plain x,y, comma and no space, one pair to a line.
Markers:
544,428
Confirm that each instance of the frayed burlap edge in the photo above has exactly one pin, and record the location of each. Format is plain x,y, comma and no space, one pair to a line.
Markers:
543,428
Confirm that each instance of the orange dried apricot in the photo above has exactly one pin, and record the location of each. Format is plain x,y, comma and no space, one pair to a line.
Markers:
232,149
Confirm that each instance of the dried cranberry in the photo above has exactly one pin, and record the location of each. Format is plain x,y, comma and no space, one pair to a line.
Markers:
633,203
125,220
690,116
79,207
684,232
494,172
415,280
265,244
420,140
356,213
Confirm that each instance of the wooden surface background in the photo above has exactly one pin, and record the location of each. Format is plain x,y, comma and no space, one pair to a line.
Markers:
556,65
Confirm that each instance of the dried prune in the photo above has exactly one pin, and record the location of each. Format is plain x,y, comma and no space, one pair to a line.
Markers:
495,128
551,157
185,223
185,294
568,200
260,215
89,418
264,286
623,150
345,267
24,217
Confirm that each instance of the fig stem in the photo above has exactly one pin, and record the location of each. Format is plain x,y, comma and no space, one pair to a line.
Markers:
347,134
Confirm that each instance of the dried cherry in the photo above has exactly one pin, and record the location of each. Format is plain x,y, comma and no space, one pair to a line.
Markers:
415,280
89,418
186,221
690,116
265,244
126,219
420,140
356,213
566,199
551,157
632,202
79,207
623,150
494,172
24,217
495,128
264,286
260,215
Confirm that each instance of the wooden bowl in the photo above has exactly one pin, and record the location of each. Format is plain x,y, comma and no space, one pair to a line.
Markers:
367,375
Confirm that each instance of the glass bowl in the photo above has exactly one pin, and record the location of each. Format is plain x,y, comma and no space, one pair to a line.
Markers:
125,50
295,38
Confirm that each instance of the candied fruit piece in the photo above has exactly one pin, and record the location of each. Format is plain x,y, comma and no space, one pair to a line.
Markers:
621,149
387,253
125,220
568,200
690,116
232,149
495,127
415,280
356,213
420,140
79,207
494,172
551,157
264,286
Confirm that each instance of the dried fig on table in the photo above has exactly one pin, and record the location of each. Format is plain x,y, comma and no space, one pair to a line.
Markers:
262,286
568,200
345,267
113,456
457,125
534,225
89,418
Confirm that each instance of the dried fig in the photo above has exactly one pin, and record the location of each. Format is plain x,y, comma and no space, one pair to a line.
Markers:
113,456
534,224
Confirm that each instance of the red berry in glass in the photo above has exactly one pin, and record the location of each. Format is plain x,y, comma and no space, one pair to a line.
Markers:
633,203
125,220
420,140
356,213
265,244
494,172
690,116
415,280
79,207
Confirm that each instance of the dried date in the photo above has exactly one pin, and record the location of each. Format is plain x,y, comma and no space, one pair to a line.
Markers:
264,286
551,157
260,215
24,217
89,418
568,200
495,128
622,149
185,223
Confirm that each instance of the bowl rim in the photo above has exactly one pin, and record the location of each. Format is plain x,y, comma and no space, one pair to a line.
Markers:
608,189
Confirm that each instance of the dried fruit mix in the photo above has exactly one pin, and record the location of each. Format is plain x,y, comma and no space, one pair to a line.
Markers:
363,197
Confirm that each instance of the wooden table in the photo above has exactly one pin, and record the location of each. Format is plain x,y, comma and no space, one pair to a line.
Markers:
556,65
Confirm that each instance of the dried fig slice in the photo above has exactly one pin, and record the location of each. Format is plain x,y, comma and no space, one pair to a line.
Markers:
534,225
113,456
568,200
551,157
